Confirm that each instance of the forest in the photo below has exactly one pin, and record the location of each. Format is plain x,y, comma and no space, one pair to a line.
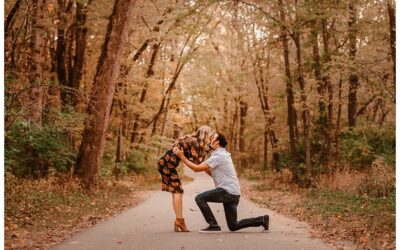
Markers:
96,90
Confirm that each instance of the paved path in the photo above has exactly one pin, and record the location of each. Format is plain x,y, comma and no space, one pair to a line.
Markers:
150,226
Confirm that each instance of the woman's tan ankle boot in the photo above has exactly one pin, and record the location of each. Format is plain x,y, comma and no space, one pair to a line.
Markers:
180,225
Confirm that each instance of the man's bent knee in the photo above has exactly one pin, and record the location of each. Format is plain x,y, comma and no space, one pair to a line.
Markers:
199,199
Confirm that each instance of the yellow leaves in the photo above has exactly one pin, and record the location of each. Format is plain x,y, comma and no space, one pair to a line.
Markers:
12,226
50,7
363,240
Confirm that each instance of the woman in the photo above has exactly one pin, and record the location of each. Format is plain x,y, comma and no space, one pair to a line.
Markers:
196,148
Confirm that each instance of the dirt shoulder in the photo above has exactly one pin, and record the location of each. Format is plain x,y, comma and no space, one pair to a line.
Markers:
335,217
42,213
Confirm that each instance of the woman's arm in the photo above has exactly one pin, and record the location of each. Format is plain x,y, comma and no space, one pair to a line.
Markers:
195,167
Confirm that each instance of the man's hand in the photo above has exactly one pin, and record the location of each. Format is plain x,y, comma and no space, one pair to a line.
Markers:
196,168
178,152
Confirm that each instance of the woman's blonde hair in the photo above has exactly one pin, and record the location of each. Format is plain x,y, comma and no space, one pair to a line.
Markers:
203,136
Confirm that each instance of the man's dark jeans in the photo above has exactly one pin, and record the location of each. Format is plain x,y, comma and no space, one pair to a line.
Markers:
230,202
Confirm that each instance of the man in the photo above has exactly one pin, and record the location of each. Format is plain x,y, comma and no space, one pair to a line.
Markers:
220,167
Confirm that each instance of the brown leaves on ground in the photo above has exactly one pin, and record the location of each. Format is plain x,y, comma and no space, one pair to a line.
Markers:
41,213
335,217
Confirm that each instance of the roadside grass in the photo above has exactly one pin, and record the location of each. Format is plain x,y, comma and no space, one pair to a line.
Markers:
369,221
41,213
334,215
327,203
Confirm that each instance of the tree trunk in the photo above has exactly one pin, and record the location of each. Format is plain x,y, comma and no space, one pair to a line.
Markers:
339,113
353,77
70,43
262,86
94,134
149,73
328,83
164,105
305,111
225,125
171,86
289,92
165,116
392,41
35,64
233,126
61,49
10,17
322,83
119,145
265,163
155,29
177,124
80,48
317,73
180,65
242,125
121,108
69,63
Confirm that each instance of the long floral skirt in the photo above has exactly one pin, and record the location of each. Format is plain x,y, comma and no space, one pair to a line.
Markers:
167,165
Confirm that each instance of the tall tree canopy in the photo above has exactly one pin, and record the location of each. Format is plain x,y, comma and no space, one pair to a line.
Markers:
284,80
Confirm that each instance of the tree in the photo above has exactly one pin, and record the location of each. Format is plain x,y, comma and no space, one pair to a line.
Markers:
35,64
328,84
392,40
81,31
93,137
302,83
150,71
71,33
353,77
289,91
10,17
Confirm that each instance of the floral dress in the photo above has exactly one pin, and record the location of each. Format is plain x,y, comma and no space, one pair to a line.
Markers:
168,163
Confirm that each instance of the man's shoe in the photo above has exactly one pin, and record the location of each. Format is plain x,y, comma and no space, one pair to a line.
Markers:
211,229
266,222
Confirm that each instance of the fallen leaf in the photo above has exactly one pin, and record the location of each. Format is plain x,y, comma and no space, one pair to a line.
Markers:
363,240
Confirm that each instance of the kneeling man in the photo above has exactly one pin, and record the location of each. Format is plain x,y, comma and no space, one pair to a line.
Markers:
227,190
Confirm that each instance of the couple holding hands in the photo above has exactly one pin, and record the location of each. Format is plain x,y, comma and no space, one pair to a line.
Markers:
204,150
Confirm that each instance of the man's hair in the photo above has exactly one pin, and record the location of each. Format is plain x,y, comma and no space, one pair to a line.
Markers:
222,140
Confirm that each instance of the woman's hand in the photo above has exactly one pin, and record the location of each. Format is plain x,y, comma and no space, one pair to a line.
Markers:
178,152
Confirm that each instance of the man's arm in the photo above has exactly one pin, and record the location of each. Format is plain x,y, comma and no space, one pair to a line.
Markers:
196,168
208,171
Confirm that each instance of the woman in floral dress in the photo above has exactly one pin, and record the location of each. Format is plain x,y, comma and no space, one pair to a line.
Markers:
195,147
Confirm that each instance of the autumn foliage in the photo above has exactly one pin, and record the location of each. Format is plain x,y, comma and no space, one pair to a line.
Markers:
96,90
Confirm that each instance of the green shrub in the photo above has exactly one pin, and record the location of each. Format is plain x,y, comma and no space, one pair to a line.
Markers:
31,150
285,158
380,180
140,159
136,162
361,146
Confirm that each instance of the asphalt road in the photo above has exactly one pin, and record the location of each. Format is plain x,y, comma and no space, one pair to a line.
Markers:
150,226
